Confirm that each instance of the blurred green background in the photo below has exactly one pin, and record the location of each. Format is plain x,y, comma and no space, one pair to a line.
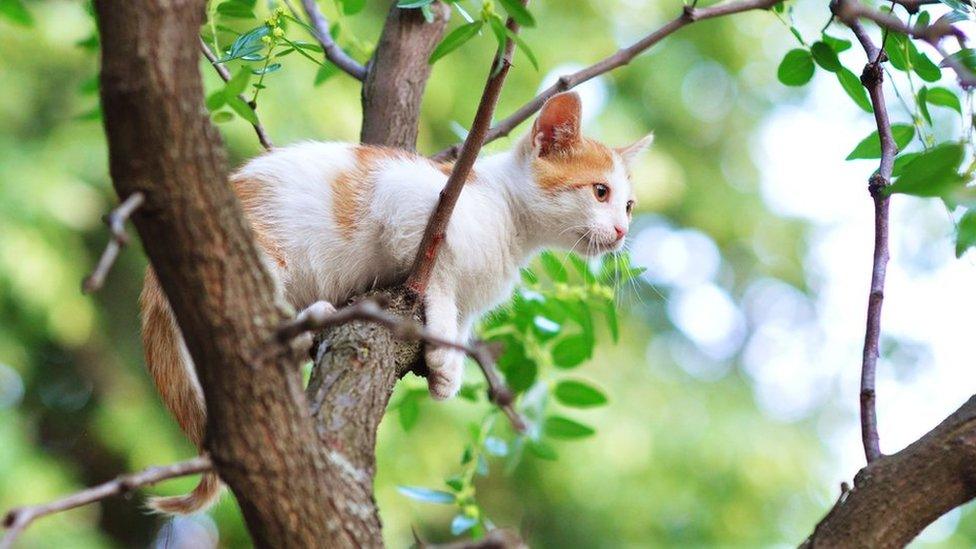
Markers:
686,453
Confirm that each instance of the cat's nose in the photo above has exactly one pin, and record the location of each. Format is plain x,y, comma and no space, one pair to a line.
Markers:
621,232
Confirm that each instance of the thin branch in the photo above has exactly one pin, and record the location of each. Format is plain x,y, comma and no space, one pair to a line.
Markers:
115,220
322,314
437,224
618,59
16,520
873,78
225,76
932,34
332,50
912,6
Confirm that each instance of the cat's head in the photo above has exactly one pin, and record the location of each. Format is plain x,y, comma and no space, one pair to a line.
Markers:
582,196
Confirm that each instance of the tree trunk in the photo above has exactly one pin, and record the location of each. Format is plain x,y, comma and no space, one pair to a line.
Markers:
161,142
397,76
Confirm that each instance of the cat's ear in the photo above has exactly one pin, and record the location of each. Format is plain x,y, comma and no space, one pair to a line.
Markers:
630,152
558,126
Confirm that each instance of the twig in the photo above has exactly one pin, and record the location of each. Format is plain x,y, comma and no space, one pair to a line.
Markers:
437,224
873,78
322,315
332,50
932,34
115,220
912,6
16,520
607,64
225,76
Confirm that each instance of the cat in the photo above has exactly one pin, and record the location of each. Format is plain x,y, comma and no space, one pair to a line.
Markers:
337,219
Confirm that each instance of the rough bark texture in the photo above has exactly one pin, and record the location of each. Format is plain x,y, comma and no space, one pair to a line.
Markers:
162,144
397,76
897,496
356,367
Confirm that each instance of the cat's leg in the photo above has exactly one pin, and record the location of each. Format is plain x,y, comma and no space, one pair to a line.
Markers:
446,365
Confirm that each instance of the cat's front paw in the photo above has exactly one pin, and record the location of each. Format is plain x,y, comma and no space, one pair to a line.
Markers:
445,369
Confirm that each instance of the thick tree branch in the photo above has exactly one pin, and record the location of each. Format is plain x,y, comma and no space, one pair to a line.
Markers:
118,239
618,59
17,520
396,76
322,315
225,76
895,497
423,264
332,50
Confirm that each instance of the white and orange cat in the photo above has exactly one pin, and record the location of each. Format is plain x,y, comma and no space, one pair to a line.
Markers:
337,219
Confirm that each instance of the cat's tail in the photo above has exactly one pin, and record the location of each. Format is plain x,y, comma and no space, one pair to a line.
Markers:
172,370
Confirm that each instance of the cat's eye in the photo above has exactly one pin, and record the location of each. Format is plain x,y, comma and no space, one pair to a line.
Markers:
601,192
630,206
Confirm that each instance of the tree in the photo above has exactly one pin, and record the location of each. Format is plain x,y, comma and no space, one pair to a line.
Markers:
169,168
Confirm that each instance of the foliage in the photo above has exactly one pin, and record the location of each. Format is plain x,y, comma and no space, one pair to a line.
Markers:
549,326
937,170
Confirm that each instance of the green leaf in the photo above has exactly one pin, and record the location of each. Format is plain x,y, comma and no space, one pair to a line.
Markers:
923,106
898,48
455,40
518,12
836,44
932,173
242,109
924,67
523,47
216,100
325,72
901,161
542,450
553,266
247,45
427,495
796,68
15,12
825,56
234,9
966,57
852,85
411,4
944,97
462,523
272,67
870,146
236,85
966,233
222,117
572,351
565,428
352,7
579,394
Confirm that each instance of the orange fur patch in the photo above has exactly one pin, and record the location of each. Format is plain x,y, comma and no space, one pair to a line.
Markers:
252,193
586,163
353,189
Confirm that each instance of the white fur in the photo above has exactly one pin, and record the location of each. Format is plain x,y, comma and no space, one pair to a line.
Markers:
501,219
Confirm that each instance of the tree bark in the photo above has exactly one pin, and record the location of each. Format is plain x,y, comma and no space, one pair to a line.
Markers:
161,143
397,76
897,496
